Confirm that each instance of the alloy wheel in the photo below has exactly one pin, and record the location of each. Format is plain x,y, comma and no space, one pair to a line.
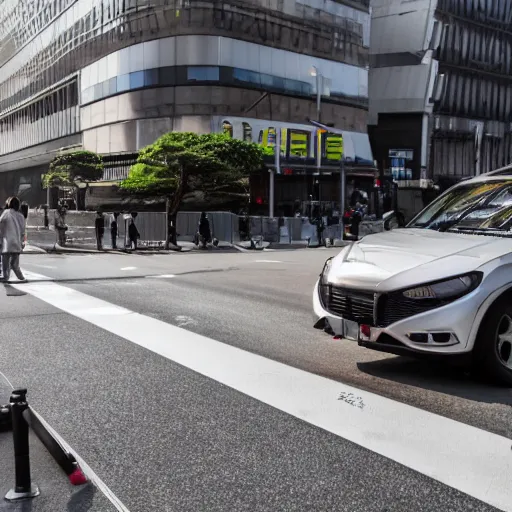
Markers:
504,341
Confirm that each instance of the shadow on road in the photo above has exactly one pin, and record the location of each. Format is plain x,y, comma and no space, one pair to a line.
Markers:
10,291
83,499
439,377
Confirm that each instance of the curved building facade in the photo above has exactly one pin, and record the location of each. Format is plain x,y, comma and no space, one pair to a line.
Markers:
441,88
113,75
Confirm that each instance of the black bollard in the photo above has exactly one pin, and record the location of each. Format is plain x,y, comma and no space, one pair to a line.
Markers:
5,418
24,489
63,458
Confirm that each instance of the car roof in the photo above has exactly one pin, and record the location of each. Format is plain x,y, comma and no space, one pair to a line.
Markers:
503,173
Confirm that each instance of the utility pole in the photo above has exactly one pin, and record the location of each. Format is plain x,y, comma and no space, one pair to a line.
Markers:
273,172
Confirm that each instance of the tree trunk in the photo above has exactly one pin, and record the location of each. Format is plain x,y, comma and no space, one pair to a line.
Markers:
167,223
172,207
173,235
80,194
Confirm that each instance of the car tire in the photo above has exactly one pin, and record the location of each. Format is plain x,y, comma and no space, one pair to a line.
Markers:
492,355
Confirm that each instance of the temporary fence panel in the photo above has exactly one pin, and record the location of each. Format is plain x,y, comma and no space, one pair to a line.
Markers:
150,225
223,226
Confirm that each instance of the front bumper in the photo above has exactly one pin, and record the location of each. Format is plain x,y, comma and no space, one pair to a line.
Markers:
456,318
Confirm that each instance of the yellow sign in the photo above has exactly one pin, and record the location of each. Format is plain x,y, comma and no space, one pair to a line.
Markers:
299,142
333,147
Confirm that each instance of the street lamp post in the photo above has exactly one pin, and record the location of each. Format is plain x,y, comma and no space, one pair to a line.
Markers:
319,86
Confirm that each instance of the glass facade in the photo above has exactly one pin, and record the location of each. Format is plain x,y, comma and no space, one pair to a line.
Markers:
43,42
189,75
52,116
59,57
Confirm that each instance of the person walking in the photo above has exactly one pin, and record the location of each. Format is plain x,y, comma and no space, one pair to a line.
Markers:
133,234
205,234
99,225
12,235
113,229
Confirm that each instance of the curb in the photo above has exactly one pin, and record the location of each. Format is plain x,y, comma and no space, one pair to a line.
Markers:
57,249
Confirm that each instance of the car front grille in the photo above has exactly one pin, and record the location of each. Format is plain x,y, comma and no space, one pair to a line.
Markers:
359,306
394,307
350,304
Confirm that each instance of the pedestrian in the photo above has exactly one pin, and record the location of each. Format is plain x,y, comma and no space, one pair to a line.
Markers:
12,235
24,211
113,229
205,233
2,209
320,226
99,226
133,234
60,223
357,218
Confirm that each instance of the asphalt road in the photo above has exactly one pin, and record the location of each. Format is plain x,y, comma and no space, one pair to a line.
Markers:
164,437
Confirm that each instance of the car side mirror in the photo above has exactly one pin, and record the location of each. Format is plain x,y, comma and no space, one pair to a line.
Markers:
393,220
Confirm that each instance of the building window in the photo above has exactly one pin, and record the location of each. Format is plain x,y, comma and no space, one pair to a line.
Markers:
137,80
123,83
244,75
203,73
227,128
151,77
166,76
112,85
247,132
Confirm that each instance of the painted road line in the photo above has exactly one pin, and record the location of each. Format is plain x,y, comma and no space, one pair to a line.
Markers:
87,470
470,460
163,276
267,261
129,268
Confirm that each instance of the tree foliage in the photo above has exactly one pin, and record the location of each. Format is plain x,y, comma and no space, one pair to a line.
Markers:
66,169
178,163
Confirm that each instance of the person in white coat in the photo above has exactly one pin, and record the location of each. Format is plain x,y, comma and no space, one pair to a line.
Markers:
12,236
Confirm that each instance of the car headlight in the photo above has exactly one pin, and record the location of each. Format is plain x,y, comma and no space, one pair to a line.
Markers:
325,271
324,288
449,289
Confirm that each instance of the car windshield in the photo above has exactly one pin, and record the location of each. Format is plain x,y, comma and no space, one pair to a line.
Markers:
478,207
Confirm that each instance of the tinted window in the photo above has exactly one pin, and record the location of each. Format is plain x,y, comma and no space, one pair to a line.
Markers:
244,75
166,76
151,77
478,205
204,73
123,83
88,95
136,79
98,91
112,85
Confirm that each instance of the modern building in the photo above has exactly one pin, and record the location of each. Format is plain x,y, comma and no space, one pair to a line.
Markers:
440,90
112,75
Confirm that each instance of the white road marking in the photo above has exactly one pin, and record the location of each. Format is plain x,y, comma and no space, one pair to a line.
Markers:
87,470
41,266
183,320
32,276
470,460
267,261
129,268
163,276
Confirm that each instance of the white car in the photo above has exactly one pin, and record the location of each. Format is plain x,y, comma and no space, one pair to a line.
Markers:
442,286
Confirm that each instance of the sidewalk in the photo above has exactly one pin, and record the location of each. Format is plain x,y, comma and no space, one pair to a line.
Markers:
57,494
75,248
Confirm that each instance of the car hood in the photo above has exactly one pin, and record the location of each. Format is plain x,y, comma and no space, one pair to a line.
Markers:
398,258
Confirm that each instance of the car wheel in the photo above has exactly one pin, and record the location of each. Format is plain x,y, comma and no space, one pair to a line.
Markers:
492,357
